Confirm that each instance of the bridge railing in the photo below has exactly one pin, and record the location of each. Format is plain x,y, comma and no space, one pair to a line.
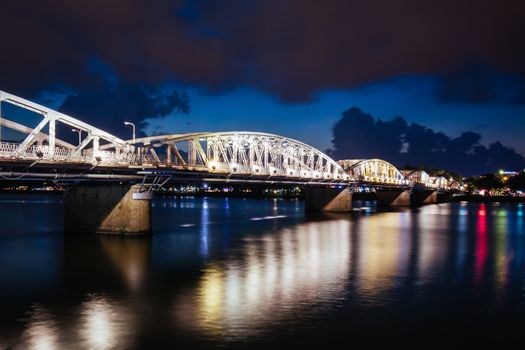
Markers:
122,158
10,151
430,184
7,149
273,171
43,152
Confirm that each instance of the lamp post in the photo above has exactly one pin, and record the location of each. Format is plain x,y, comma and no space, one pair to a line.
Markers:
79,135
133,125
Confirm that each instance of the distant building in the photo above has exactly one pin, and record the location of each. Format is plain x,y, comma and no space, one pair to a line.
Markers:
507,174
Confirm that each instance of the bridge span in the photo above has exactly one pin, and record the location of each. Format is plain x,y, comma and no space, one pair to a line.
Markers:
136,167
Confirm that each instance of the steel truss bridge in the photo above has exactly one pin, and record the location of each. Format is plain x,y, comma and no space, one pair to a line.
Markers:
233,156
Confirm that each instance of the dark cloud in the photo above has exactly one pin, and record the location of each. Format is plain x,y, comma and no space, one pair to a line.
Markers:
115,58
51,42
469,84
476,83
108,103
294,48
290,49
359,135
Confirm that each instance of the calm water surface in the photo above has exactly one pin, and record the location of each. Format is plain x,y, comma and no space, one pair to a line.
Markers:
239,273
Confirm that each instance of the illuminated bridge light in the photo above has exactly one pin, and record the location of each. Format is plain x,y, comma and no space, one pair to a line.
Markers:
239,153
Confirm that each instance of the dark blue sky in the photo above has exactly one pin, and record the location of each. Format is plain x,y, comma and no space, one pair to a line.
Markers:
288,67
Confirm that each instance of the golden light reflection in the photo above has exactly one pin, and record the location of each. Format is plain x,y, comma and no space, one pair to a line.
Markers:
500,249
379,255
274,275
211,295
41,332
433,246
129,256
104,324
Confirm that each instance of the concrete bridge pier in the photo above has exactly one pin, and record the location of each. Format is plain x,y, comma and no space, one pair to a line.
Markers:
443,197
410,198
393,197
110,209
428,196
326,199
423,196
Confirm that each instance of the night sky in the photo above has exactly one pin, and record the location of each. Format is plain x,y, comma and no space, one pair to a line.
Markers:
436,83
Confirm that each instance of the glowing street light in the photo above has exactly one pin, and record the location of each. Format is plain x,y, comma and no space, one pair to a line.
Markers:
79,135
133,125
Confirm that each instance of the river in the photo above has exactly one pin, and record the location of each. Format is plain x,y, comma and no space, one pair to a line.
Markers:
237,273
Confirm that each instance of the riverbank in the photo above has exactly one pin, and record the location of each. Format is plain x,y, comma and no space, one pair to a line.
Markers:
490,199
456,198
356,196
30,191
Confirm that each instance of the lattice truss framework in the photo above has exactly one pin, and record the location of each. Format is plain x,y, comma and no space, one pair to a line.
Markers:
372,170
227,153
46,145
250,153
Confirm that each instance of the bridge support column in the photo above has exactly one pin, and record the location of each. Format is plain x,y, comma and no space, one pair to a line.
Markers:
394,197
318,199
406,198
108,209
421,196
444,197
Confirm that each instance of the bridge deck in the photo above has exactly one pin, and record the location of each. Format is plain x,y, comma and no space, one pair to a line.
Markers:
242,156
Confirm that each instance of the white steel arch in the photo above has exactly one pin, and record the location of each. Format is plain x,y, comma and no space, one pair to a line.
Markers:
245,153
56,148
231,153
372,170
421,177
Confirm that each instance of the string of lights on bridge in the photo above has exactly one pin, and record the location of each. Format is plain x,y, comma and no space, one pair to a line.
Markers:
233,153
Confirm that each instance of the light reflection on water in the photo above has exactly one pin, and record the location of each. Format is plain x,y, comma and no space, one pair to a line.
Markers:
228,279
104,324
41,332
273,277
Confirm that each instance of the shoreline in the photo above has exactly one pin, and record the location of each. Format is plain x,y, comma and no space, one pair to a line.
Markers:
359,196
491,199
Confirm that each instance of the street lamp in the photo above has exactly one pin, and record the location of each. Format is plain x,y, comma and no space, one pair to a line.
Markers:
79,135
133,125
